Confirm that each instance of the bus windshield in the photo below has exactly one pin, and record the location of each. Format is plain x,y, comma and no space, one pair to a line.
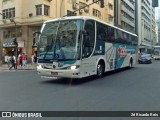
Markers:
156,50
60,40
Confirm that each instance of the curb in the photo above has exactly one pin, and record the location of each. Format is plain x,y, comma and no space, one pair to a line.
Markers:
7,69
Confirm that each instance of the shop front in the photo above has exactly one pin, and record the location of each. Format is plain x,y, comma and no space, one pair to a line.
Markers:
10,49
34,49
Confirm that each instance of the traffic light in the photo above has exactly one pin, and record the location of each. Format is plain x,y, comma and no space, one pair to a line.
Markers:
15,42
101,3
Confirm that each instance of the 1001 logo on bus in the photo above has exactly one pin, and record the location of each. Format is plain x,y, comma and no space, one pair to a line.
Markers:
121,52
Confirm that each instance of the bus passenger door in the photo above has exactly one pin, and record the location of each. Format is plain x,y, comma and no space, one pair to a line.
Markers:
110,56
88,63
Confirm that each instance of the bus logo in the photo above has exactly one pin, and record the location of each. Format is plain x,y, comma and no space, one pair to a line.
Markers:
121,52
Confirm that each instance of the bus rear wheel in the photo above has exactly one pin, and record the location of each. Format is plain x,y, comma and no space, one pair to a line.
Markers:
100,70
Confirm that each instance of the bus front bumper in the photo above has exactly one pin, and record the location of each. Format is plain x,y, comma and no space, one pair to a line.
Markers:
50,73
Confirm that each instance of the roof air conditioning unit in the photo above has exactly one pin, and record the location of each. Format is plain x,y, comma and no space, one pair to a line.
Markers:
80,11
30,14
86,9
75,6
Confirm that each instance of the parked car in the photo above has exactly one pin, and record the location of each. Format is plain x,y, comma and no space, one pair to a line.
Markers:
145,58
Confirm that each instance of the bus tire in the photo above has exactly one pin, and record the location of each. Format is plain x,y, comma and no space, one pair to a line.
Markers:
100,69
131,63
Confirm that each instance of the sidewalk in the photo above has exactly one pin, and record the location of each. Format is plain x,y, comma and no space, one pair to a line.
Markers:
28,67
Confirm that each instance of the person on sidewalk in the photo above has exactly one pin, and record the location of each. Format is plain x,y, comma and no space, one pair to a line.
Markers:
32,59
20,59
9,61
24,59
13,62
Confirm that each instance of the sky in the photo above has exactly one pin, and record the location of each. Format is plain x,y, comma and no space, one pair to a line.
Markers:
157,11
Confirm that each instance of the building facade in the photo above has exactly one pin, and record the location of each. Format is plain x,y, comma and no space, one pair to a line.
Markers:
146,25
158,32
153,34
28,16
158,25
124,14
21,18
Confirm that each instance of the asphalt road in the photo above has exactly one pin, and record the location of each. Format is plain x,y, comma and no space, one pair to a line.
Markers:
136,89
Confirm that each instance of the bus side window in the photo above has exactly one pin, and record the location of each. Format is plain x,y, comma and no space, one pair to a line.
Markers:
88,38
100,32
125,38
134,41
129,39
109,34
119,36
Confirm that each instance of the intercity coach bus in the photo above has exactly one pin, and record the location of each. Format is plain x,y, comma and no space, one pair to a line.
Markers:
156,52
80,46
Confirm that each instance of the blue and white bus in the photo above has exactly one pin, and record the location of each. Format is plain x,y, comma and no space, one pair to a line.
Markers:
80,46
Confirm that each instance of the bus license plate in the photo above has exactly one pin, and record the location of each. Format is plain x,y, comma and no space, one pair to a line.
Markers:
54,73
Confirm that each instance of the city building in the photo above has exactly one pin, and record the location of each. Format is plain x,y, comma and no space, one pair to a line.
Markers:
158,25
157,34
145,25
124,14
153,33
158,31
28,16
21,18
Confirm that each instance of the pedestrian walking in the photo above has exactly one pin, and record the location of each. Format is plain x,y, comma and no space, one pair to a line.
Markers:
20,59
32,59
24,59
13,62
9,61
35,58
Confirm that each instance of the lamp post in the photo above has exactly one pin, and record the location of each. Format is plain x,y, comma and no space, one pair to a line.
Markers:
15,39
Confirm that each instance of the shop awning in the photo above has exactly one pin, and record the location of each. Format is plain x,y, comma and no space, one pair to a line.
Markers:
8,44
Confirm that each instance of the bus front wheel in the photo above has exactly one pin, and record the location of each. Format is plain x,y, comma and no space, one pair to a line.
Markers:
100,69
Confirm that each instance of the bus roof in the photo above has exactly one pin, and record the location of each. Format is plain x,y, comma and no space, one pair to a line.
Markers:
87,17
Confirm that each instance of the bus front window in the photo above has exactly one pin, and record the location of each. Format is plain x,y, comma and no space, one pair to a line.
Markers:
60,40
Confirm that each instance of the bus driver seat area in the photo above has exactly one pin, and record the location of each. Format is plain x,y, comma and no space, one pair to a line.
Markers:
86,45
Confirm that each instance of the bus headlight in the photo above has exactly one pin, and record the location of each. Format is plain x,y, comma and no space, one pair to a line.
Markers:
74,67
39,66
